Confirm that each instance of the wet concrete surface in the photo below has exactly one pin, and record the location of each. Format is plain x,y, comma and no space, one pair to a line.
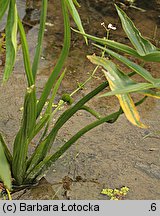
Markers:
112,155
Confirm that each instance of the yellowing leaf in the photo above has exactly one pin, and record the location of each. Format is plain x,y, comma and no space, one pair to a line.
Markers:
118,80
150,93
127,106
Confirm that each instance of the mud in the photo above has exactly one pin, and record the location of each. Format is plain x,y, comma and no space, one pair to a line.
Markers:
112,155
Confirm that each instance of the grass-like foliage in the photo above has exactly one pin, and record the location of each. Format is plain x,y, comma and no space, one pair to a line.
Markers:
21,169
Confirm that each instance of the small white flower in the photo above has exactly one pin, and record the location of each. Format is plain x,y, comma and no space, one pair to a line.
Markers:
110,26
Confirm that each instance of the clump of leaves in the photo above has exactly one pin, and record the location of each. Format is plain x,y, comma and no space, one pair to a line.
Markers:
116,194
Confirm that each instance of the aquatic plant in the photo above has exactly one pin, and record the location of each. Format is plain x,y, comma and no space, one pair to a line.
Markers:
18,168
21,169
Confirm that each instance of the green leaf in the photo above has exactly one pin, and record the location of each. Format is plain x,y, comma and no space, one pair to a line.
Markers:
112,44
26,58
135,67
57,69
3,7
142,45
153,57
42,149
150,93
49,160
5,173
11,40
23,137
137,87
117,81
6,150
40,37
76,3
75,16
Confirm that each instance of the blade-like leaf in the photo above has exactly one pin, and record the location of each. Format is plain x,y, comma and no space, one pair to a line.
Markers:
3,7
112,44
135,67
40,37
128,89
5,173
118,80
22,139
6,150
39,170
150,93
56,71
153,56
49,108
75,16
11,40
44,146
142,45
26,57
48,161
128,106
76,3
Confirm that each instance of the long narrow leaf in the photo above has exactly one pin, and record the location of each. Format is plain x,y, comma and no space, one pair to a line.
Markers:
3,7
112,44
135,67
26,57
42,149
138,87
142,45
150,93
56,71
22,139
6,150
48,161
11,40
49,108
75,16
154,56
5,173
40,37
39,155
117,81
